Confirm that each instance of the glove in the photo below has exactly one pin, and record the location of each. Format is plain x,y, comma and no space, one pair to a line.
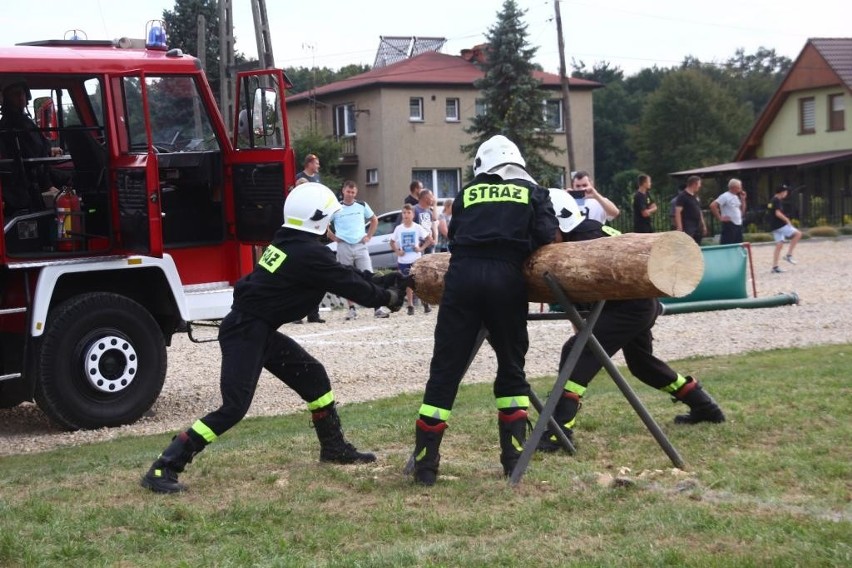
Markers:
388,280
395,300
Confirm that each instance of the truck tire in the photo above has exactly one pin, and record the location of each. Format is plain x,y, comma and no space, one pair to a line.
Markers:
102,362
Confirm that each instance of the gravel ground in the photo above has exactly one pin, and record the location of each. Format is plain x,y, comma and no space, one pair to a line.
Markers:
371,358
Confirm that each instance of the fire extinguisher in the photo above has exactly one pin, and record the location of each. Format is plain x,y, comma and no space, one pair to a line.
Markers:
68,220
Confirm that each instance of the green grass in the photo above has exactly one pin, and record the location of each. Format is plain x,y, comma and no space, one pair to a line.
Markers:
771,487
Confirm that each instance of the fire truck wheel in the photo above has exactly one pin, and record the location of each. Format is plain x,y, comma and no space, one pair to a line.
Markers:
102,362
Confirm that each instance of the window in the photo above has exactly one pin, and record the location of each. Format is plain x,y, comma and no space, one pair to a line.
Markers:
372,176
344,120
176,124
444,183
481,107
807,116
553,114
836,112
415,109
452,112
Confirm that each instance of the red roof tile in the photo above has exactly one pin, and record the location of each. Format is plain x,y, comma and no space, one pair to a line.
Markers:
431,68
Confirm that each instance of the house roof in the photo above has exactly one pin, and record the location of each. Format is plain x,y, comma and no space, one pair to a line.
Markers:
793,160
430,68
837,52
823,62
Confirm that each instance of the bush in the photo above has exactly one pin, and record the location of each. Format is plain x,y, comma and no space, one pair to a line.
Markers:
823,231
846,230
757,237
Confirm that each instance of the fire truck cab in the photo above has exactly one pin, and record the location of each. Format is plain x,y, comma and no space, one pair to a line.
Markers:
158,211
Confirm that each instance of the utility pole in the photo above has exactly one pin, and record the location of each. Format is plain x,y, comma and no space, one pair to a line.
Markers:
201,42
227,65
566,101
261,33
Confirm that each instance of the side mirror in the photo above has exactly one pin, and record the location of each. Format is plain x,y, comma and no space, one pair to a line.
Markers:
265,112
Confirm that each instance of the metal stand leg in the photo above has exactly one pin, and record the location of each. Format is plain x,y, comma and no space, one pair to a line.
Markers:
583,337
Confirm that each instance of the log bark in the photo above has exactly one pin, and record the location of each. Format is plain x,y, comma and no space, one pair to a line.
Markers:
624,267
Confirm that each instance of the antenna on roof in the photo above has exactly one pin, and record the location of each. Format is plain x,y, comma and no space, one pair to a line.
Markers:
75,35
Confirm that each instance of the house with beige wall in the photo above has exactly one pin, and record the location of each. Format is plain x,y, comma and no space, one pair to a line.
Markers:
803,138
406,121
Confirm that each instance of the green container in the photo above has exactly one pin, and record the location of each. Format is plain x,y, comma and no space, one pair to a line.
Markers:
725,269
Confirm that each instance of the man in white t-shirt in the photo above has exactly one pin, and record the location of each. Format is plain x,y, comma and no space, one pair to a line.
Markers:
594,207
728,209
408,242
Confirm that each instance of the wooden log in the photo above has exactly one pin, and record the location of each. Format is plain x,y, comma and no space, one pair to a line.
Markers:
628,266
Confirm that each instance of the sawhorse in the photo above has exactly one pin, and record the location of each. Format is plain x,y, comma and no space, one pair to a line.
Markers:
585,336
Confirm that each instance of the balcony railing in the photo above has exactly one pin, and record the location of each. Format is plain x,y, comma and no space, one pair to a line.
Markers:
348,149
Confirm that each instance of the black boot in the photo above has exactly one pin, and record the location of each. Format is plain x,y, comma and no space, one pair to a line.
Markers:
426,458
333,446
513,434
565,413
702,407
162,477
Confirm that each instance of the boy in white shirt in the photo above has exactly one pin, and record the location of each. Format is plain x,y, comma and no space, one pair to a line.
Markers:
408,241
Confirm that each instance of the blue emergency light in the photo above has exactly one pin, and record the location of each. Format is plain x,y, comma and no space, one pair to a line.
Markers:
155,35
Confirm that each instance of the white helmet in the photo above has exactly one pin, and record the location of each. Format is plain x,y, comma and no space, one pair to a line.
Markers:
567,211
309,208
495,152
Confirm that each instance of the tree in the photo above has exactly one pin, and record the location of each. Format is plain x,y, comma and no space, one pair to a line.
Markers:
307,78
755,78
512,97
182,27
614,110
327,150
689,122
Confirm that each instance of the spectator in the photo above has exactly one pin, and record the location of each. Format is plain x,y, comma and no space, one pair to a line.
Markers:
729,209
688,216
624,325
643,205
352,238
291,276
310,169
310,173
594,207
408,242
444,219
414,189
782,228
499,219
425,215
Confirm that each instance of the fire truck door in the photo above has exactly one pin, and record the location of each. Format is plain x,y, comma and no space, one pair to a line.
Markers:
263,166
139,207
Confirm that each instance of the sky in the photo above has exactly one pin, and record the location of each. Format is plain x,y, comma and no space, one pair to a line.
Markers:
333,33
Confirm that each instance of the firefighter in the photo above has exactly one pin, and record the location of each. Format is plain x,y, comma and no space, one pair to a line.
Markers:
290,278
499,219
21,139
624,325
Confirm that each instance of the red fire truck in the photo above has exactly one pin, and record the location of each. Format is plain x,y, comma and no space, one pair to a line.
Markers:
158,216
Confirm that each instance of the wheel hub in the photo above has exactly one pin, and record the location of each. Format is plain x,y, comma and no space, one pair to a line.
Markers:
111,364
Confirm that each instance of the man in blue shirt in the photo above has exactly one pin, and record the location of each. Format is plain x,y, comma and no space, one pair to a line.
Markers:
352,237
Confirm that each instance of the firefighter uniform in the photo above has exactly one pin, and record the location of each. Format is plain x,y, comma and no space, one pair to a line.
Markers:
289,280
498,221
625,325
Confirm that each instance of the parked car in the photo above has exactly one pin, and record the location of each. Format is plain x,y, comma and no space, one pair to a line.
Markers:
379,246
